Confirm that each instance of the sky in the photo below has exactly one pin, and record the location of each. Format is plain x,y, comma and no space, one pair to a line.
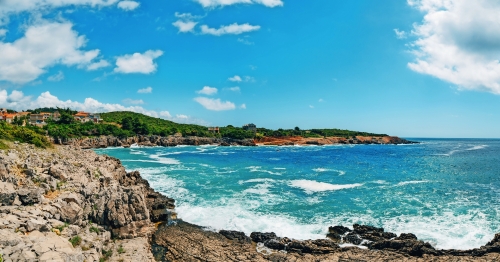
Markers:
415,68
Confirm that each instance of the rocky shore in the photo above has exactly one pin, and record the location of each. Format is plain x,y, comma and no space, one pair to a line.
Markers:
69,204
111,141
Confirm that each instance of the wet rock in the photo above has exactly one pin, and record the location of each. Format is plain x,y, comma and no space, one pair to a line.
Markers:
235,235
336,232
262,237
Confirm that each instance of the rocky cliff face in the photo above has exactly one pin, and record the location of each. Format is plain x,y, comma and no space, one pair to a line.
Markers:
111,141
66,204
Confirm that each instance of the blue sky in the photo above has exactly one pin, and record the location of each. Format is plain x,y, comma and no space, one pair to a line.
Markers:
416,68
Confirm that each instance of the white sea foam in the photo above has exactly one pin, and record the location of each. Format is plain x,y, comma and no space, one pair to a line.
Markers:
279,168
412,182
259,189
321,170
477,147
352,245
258,180
311,186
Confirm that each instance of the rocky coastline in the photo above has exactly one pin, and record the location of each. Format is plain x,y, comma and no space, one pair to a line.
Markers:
69,204
143,140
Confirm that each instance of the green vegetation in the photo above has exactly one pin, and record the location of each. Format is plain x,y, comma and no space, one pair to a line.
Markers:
141,124
25,134
127,124
106,254
121,250
1,258
75,241
95,230
61,227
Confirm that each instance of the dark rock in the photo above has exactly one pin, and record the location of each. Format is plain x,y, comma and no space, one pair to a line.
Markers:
30,196
235,235
353,238
406,236
262,237
336,232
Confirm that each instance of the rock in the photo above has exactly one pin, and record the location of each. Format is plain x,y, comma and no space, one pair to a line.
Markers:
262,237
37,224
336,232
235,235
57,171
30,196
70,212
406,236
7,193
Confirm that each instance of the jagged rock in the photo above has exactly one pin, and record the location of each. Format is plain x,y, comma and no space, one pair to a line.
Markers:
235,235
37,224
336,232
58,172
70,212
7,193
30,196
262,237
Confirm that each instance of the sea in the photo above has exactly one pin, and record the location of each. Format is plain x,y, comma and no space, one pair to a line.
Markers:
445,191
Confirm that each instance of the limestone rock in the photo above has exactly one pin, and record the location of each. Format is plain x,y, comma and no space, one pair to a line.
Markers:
7,193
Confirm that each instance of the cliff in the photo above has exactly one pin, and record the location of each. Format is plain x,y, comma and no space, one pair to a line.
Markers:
68,204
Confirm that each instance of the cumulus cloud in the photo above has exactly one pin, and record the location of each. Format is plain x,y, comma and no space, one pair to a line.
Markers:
138,63
232,29
133,102
18,101
221,3
215,104
57,77
206,90
128,5
147,90
459,42
43,45
234,89
235,78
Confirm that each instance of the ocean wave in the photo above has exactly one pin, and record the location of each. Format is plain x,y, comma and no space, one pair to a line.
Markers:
412,182
257,180
477,147
311,186
321,170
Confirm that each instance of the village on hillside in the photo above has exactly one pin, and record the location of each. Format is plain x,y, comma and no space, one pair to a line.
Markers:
40,119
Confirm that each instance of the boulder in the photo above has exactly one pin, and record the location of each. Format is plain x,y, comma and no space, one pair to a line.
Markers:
30,196
7,193
70,212
235,235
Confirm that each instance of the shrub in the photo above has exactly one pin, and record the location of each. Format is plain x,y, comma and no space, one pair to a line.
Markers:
75,241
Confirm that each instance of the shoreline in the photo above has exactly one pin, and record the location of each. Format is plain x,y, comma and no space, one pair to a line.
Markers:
170,141
67,198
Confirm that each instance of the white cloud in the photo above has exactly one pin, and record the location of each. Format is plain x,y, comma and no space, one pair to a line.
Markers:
459,42
233,29
57,77
147,90
215,104
98,65
8,7
3,32
235,78
217,3
128,5
243,106
245,41
18,101
186,22
138,63
400,34
249,79
234,89
165,114
43,45
206,90
133,102
185,26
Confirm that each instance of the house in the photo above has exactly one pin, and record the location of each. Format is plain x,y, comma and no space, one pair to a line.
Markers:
250,127
37,119
84,117
214,129
9,118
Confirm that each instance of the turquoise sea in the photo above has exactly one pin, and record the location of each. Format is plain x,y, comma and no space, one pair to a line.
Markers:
446,191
